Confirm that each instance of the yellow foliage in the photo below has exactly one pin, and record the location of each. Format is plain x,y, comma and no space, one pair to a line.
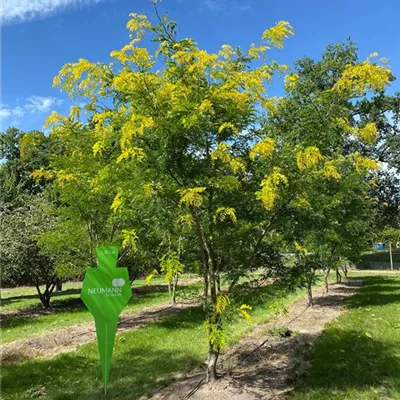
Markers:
291,81
309,158
224,212
222,302
237,165
357,79
206,107
151,276
271,104
244,310
278,33
171,266
186,221
364,163
330,172
299,248
226,52
228,125
302,202
134,127
263,148
221,153
269,188
53,118
344,124
129,239
240,100
84,78
148,190
192,197
131,152
64,177
41,173
369,133
136,55
74,112
257,52
138,23
98,148
116,202
26,144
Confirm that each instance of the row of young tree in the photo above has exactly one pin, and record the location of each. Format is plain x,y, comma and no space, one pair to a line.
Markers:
182,158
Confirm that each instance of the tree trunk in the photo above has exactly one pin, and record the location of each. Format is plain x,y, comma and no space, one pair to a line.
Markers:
338,276
45,300
45,296
218,282
59,285
205,277
344,269
133,276
212,364
213,354
326,280
174,285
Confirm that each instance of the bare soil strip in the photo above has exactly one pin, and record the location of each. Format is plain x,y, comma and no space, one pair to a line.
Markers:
68,339
263,365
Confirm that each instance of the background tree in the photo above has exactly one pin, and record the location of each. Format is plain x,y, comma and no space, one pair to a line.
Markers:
319,128
22,260
22,153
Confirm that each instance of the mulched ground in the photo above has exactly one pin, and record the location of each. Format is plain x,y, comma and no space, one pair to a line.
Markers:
264,365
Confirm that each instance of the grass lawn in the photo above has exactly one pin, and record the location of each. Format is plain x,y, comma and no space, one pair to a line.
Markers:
143,359
358,355
68,310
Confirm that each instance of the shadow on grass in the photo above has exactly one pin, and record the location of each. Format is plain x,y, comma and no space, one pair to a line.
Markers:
12,299
357,357
28,316
344,361
142,360
71,304
376,291
78,377
25,315
69,292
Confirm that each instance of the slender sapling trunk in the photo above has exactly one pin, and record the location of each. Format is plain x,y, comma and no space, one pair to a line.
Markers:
326,280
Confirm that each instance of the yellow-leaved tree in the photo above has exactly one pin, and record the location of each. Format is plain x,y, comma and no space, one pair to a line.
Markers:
184,135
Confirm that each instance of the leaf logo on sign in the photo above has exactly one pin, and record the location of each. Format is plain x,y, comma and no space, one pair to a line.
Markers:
118,282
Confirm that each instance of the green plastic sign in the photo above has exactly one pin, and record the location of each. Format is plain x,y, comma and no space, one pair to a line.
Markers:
106,290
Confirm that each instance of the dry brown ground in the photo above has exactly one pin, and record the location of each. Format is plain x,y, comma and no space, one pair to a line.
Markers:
262,365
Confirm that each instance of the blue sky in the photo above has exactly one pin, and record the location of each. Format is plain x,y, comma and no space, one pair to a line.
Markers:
39,36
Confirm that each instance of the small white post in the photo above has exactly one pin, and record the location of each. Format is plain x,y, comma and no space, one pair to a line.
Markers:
391,257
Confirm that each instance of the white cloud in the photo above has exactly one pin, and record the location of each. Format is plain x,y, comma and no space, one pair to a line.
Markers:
4,112
23,10
18,111
41,104
33,105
